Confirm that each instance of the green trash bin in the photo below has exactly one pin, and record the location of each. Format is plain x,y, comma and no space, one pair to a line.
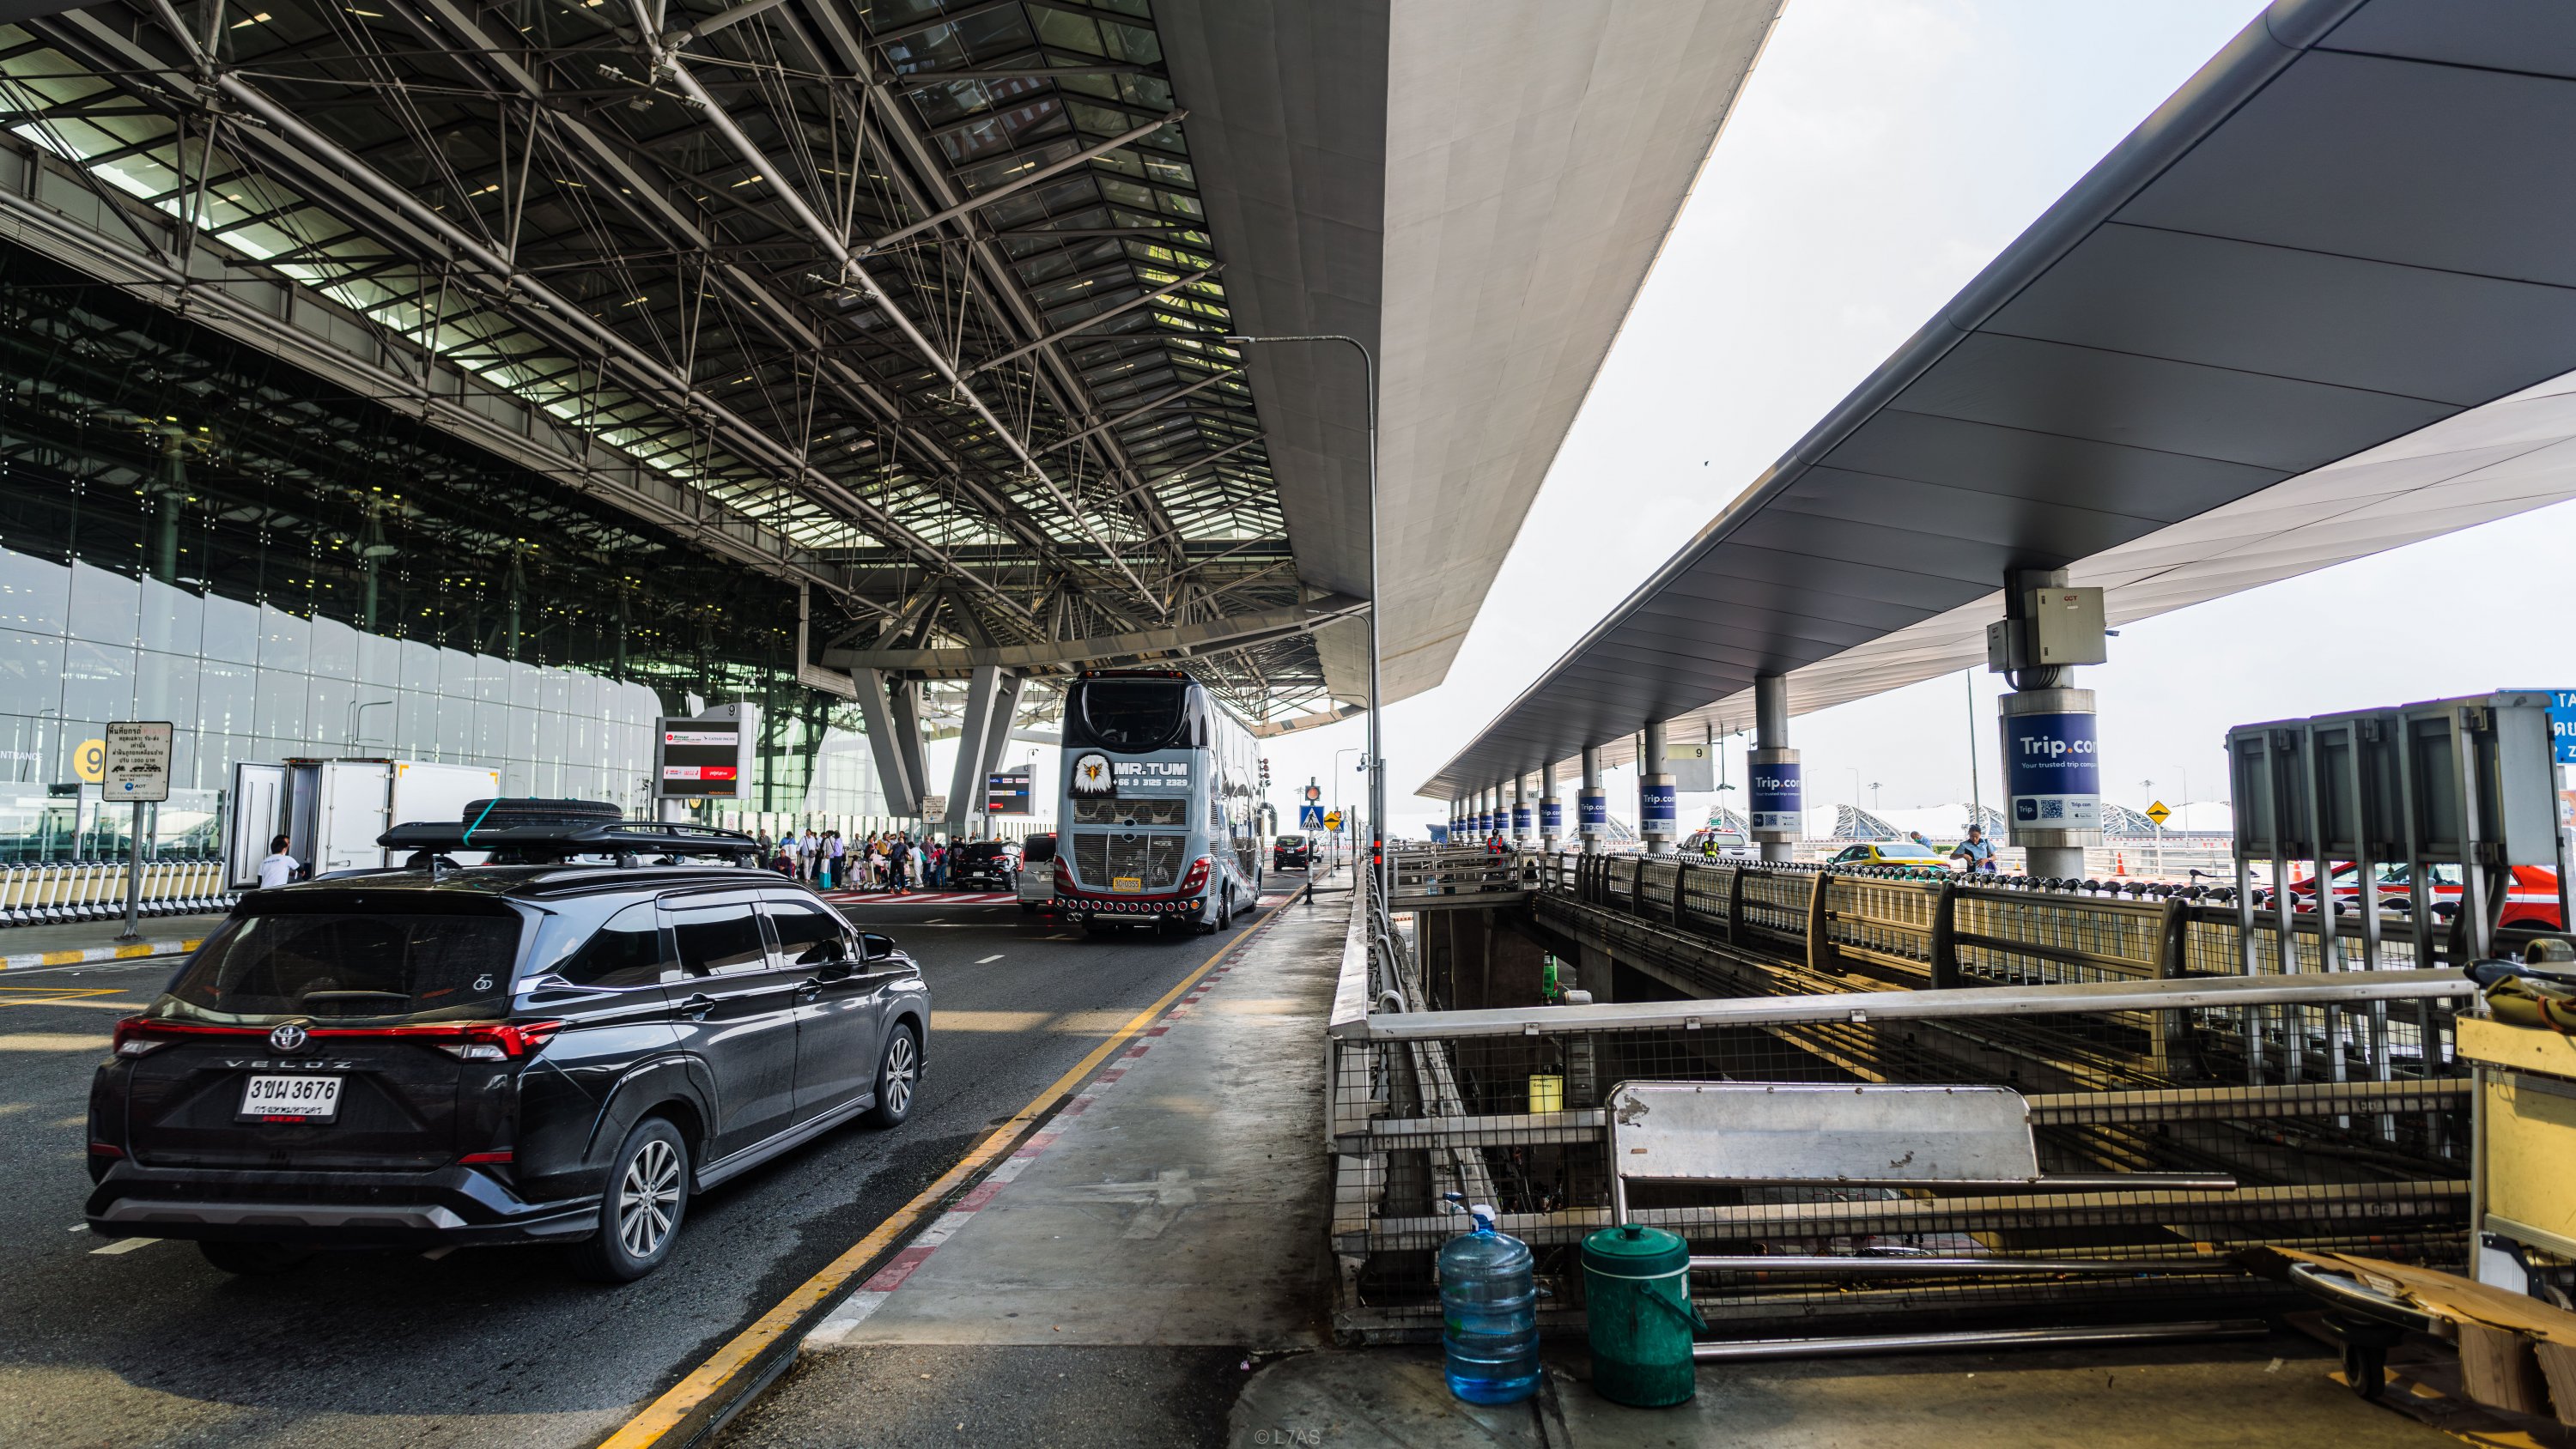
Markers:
1636,1297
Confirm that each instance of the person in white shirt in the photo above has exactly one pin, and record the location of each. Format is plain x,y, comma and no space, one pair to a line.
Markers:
278,868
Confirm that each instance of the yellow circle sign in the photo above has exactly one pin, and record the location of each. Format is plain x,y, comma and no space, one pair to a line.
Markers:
89,761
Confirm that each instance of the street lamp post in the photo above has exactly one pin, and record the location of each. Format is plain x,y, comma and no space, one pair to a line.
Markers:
1334,835
1378,879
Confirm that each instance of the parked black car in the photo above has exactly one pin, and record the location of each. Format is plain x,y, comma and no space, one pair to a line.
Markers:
1291,852
994,863
562,1046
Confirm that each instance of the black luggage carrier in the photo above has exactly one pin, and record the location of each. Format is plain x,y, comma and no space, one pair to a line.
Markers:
552,842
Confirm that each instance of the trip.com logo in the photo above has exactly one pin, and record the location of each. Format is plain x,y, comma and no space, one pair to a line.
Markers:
2049,747
1780,784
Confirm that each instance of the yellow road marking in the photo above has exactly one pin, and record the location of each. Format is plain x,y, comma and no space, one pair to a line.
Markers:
50,1041
672,1410
119,953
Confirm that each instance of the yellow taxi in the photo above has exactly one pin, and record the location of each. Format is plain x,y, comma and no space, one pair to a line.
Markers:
1890,852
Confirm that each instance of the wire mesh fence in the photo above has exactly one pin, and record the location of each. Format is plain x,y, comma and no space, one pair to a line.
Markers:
2311,1108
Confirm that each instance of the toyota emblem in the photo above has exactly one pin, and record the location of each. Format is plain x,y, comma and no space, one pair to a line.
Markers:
287,1038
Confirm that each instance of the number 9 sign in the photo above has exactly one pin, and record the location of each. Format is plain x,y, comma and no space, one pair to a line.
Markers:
89,760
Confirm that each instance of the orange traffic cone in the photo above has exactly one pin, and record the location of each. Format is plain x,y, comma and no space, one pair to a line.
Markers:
2119,863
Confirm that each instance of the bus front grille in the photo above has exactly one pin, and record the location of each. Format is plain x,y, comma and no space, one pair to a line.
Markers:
1101,860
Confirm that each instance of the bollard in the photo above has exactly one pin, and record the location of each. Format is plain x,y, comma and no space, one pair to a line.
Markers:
1637,1308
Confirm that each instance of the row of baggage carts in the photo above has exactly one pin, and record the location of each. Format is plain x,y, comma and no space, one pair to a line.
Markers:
58,893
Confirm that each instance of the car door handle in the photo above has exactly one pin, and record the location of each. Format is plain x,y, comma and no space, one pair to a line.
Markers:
698,1006
809,988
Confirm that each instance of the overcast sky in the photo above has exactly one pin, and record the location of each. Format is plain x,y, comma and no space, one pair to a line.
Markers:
1882,155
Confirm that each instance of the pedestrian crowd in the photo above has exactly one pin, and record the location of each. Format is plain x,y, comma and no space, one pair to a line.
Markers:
890,861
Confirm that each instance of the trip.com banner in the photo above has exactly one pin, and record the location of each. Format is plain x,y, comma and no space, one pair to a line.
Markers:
2053,771
1593,812
1657,806
1778,797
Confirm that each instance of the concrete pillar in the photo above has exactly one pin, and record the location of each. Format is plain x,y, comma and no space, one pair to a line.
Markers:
1775,793
1591,806
1521,821
992,699
2052,771
1655,799
887,707
1551,810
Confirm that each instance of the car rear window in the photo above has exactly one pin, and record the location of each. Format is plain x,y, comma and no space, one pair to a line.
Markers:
369,963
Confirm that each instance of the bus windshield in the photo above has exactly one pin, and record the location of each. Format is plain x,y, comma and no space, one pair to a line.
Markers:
1131,714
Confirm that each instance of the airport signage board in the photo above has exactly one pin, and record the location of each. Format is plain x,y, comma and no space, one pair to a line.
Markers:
1593,810
698,759
1007,792
1551,816
136,766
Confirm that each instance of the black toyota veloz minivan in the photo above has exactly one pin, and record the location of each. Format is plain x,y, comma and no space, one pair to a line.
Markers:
561,1050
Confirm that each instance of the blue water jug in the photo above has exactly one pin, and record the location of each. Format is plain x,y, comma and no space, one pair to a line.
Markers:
1488,1313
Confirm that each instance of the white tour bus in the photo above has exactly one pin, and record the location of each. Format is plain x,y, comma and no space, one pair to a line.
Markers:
1159,818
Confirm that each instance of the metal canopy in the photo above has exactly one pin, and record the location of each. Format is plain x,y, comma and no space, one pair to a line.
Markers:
2356,224
924,298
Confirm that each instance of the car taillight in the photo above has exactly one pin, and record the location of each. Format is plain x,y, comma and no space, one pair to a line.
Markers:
474,1041
1197,879
136,1037
489,1043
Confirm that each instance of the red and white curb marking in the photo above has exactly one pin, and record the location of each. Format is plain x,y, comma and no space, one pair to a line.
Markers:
920,898
880,1286
962,898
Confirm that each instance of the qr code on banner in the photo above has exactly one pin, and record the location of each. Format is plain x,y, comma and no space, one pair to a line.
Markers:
2052,809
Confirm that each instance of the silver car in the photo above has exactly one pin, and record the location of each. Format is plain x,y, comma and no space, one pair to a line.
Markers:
1037,873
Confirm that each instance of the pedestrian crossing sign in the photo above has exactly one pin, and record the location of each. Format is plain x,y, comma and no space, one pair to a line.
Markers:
1310,817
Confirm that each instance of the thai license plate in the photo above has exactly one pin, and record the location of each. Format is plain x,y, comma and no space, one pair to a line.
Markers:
1130,884
298,1098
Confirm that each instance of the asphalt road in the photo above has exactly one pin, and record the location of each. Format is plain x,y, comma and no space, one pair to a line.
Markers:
497,1346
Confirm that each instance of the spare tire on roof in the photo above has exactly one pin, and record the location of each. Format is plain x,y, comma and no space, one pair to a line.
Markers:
500,814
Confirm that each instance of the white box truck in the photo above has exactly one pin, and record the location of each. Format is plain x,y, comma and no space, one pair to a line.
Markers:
331,811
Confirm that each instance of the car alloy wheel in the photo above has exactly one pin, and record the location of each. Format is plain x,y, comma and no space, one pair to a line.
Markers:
648,1198
898,1074
897,1084
641,1205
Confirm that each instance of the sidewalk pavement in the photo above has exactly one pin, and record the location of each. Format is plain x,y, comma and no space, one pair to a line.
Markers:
22,947
1129,1268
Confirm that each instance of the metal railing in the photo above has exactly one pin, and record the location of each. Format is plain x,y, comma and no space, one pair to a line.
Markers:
94,890
2151,1031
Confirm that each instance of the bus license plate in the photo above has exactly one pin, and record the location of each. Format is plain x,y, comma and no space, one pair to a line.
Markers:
292,1098
1129,884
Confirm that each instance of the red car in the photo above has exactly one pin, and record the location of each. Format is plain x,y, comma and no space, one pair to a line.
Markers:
2531,895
